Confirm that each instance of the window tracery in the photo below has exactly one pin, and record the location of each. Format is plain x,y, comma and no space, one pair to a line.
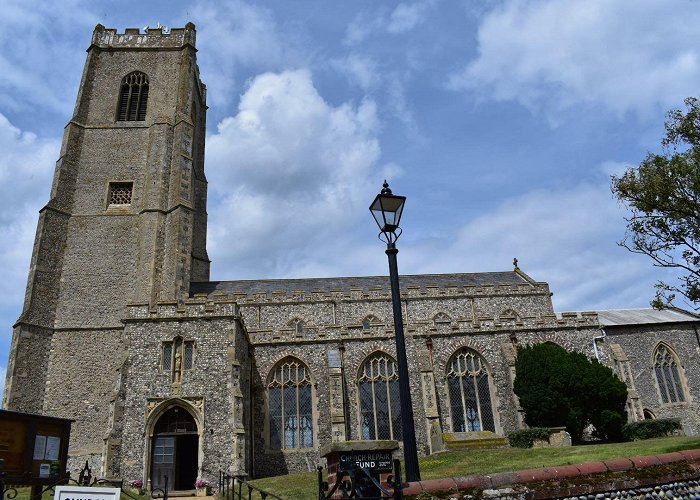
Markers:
369,321
133,97
380,410
469,392
441,317
297,325
177,356
668,375
290,414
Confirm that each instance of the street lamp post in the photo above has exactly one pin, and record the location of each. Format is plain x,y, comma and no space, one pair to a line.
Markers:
386,210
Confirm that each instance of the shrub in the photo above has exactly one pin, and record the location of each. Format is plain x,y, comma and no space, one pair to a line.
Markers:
524,438
647,429
561,388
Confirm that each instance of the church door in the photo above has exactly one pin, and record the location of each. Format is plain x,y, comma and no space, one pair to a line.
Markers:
175,449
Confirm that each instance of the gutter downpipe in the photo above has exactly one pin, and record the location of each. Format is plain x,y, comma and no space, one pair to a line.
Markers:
595,346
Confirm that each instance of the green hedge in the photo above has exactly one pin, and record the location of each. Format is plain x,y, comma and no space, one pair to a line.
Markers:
525,437
647,429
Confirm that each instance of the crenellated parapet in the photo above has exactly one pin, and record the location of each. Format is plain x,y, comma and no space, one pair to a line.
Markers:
199,307
483,326
150,38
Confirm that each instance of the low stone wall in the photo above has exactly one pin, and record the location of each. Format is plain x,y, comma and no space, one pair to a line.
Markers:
593,480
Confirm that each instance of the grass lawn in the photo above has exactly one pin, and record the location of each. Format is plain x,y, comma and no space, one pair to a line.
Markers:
483,461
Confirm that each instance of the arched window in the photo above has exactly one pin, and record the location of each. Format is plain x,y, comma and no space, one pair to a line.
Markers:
441,317
133,97
297,325
648,414
668,375
509,315
177,355
290,405
469,391
380,407
369,321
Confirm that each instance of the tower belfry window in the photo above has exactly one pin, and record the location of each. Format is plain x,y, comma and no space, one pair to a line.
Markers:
133,97
120,193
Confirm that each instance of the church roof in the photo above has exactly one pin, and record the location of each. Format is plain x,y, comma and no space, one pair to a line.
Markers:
357,283
620,317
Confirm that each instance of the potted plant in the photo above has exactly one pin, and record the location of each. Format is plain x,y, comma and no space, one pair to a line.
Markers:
137,484
202,486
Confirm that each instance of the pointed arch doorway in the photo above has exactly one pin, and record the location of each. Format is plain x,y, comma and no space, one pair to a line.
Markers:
175,450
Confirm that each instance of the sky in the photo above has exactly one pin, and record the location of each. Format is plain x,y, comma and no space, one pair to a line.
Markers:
500,121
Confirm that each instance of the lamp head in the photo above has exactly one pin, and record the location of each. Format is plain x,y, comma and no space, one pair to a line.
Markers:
386,210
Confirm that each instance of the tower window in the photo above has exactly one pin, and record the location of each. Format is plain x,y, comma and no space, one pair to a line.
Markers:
133,97
177,356
120,193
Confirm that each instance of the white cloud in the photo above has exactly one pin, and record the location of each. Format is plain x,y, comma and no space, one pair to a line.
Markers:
363,26
26,166
554,54
566,237
610,168
406,16
26,162
361,70
232,34
290,175
39,65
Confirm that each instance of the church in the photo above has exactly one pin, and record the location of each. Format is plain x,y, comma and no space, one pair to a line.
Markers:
168,373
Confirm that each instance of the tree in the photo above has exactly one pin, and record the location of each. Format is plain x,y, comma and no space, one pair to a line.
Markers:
663,195
560,388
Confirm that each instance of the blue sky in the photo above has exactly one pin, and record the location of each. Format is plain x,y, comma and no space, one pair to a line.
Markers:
501,121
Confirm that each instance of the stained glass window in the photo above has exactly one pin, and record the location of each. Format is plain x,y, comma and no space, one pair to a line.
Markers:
290,405
469,393
380,410
668,375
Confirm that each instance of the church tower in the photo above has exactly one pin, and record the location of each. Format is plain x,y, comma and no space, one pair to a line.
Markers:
125,223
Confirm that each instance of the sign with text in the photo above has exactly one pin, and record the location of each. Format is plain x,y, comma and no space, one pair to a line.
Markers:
374,461
86,493
34,448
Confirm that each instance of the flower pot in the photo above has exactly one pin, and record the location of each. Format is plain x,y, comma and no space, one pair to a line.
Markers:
202,492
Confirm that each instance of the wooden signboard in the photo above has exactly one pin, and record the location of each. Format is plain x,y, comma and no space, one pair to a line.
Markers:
33,448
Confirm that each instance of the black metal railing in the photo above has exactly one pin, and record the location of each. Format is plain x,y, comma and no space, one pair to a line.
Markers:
161,492
361,483
85,478
231,488
6,492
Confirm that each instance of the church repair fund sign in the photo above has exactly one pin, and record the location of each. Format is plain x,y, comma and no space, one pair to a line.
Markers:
375,461
86,493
